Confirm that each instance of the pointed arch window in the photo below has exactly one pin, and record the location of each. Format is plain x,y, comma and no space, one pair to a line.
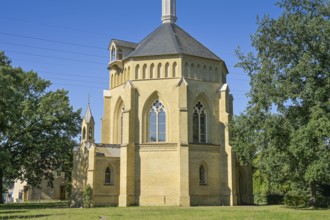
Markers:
121,124
90,133
199,123
84,133
157,122
202,175
107,176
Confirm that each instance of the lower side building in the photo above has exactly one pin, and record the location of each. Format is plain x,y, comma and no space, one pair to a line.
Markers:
23,192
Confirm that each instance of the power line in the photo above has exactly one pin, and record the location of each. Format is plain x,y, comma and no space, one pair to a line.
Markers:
51,26
74,80
59,58
75,85
66,74
51,49
52,41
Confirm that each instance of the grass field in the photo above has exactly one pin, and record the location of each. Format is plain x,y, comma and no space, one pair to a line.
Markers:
58,210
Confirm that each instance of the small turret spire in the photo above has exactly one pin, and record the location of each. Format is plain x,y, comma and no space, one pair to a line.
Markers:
169,11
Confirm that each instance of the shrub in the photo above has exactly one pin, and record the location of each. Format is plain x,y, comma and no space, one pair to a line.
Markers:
296,200
274,199
323,202
88,197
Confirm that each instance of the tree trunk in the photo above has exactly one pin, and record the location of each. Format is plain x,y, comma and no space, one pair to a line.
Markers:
312,199
1,186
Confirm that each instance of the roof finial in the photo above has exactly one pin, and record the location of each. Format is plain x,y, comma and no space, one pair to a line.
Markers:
89,99
169,11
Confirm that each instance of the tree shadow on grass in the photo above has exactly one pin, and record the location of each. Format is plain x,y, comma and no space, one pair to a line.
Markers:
10,212
23,216
305,208
33,205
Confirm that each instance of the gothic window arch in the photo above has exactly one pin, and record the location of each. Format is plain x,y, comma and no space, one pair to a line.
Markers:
174,69
159,71
198,72
185,71
118,122
125,75
199,123
202,174
144,71
157,122
84,133
90,133
211,76
216,75
108,176
112,83
121,124
117,79
137,72
152,71
191,71
167,70
129,73
205,78
113,54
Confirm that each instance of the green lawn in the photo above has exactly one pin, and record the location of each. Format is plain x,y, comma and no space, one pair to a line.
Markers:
58,210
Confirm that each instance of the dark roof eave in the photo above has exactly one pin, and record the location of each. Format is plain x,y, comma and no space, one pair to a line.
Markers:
171,55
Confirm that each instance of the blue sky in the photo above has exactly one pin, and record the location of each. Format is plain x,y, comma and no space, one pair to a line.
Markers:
66,41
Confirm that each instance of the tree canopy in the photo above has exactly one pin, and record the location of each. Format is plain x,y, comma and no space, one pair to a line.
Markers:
37,126
287,121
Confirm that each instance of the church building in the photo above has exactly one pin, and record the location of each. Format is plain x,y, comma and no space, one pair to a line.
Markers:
165,138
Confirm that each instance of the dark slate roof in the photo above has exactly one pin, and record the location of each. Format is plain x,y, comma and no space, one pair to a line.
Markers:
108,145
170,39
124,43
107,150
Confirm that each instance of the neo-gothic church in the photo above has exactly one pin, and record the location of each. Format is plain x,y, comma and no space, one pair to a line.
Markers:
165,139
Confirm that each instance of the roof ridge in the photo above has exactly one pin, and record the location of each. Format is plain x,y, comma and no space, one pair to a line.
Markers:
175,38
125,41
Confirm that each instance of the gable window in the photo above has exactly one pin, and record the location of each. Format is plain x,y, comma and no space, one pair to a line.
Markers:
113,54
120,54
199,123
107,176
157,122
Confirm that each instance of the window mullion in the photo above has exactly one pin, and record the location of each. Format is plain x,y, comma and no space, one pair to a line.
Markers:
199,127
157,126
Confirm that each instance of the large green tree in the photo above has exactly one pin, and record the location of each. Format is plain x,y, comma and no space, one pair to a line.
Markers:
287,122
37,127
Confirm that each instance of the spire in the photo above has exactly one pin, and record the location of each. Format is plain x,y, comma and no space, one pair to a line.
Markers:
169,11
88,116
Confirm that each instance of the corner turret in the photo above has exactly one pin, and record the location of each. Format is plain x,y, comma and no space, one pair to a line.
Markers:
87,127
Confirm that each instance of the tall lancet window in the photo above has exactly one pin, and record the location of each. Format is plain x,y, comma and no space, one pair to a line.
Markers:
199,123
107,176
121,124
202,175
157,122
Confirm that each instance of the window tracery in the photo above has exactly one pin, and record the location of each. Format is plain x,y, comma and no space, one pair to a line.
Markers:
107,176
199,123
157,122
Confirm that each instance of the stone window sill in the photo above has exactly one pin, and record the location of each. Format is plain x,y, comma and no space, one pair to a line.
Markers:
108,184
